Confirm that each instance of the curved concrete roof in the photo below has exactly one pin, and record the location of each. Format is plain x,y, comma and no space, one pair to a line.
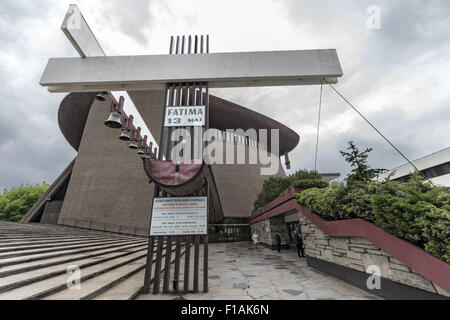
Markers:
74,110
72,116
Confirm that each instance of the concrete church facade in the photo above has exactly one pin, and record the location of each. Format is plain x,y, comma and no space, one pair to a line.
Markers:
106,189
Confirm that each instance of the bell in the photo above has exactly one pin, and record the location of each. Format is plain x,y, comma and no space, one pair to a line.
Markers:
135,136
142,146
101,96
125,136
127,125
114,120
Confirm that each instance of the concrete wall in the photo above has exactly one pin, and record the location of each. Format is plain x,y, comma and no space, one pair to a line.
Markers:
238,185
108,189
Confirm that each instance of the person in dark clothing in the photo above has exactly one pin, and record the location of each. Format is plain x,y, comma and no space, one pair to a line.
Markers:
277,241
299,243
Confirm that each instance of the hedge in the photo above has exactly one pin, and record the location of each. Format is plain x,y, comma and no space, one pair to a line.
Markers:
276,186
414,211
15,203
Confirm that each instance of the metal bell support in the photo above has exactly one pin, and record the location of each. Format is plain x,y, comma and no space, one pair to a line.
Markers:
114,120
127,126
135,137
142,146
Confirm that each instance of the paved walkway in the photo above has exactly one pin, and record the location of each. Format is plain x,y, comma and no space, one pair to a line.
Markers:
239,272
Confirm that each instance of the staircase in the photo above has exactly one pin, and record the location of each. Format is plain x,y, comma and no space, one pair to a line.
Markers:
34,262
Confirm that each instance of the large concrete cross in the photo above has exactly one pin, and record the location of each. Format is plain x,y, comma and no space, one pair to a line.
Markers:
95,72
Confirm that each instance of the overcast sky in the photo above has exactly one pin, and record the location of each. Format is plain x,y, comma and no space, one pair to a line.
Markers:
397,76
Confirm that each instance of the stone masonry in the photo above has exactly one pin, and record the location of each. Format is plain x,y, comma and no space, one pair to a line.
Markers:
351,252
267,229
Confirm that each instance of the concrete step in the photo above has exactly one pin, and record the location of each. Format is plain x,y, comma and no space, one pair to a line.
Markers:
101,283
43,288
128,289
22,242
21,253
22,279
52,254
29,266
57,244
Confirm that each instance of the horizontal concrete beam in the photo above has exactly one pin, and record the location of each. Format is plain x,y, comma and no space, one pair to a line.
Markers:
221,70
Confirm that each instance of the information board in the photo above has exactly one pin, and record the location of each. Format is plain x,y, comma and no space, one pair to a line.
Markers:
179,216
190,116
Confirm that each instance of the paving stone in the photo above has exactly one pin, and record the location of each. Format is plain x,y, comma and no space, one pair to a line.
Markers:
293,292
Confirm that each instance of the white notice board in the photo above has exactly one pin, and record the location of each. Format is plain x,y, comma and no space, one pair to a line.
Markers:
179,216
190,116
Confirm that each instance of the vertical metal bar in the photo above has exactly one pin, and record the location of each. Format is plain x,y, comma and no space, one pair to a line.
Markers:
206,239
187,262
159,251
178,45
196,45
207,105
202,44
202,144
171,45
176,276
180,95
190,45
196,262
167,265
192,129
172,99
182,44
161,137
148,265
207,43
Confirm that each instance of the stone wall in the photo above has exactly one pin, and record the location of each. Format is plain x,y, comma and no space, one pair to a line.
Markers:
266,230
359,254
351,252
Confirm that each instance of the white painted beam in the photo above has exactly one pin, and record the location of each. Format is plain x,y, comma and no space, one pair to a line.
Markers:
80,34
220,70
84,41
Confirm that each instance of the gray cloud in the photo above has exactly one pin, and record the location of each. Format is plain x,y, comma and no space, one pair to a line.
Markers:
396,76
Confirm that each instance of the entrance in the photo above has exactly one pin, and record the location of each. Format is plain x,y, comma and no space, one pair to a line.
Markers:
291,227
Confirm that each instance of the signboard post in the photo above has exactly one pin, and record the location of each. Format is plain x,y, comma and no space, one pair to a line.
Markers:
179,216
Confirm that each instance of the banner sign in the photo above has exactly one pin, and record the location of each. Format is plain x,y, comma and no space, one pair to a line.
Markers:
179,216
185,116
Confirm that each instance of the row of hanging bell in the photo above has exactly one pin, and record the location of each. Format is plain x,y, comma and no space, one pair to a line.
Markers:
118,120
135,137
127,127
115,117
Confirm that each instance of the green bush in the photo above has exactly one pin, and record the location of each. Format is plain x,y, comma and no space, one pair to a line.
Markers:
414,211
309,183
271,190
275,186
15,203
